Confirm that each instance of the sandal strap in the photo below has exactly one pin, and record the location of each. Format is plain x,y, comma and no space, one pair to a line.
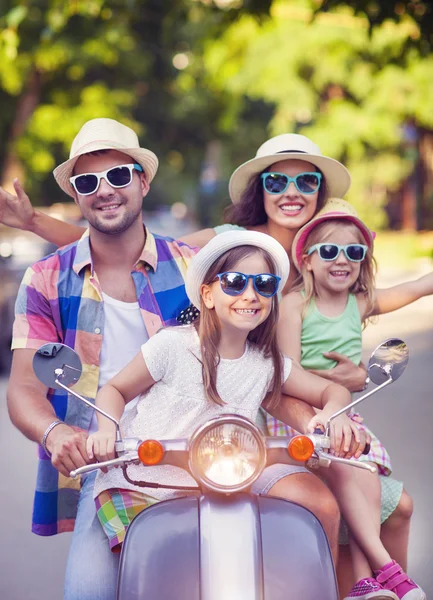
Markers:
392,576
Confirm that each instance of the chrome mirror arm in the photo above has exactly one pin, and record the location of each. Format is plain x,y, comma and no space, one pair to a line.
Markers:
355,402
59,373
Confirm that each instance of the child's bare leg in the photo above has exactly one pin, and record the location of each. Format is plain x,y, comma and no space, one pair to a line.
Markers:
395,530
362,518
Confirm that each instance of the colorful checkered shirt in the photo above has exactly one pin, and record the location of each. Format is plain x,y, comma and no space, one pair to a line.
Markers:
60,300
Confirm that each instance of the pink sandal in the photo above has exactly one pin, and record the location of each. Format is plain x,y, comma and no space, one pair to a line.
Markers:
369,589
392,577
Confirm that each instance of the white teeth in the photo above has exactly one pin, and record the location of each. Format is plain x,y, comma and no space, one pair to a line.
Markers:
110,207
246,311
339,273
291,207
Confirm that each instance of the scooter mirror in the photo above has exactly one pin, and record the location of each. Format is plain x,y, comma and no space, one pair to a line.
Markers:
57,361
389,360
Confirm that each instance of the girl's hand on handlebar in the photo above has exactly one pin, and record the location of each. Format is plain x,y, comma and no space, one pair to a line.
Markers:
345,437
100,445
344,434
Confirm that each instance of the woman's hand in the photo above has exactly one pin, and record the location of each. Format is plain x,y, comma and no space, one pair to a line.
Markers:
16,211
344,434
345,372
100,445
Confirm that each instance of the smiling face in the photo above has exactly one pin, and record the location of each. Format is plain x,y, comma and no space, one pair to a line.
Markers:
246,311
110,210
291,209
338,275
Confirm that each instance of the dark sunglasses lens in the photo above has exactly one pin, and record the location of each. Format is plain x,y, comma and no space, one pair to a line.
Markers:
328,251
275,184
266,285
355,252
119,176
86,184
308,183
233,283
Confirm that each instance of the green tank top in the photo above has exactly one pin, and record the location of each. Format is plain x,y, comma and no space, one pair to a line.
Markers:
341,334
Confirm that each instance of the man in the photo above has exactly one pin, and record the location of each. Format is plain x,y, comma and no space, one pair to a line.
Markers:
103,296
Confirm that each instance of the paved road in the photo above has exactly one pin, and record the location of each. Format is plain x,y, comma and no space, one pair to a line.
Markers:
32,567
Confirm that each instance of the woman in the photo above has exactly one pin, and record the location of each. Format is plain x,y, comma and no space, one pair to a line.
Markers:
277,192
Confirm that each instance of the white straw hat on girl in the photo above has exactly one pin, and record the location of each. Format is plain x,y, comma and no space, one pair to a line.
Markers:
290,146
105,134
223,242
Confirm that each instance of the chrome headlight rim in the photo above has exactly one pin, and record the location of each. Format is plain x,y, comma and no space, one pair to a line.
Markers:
196,438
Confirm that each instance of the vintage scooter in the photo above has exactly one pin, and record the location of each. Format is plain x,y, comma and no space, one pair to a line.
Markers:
223,543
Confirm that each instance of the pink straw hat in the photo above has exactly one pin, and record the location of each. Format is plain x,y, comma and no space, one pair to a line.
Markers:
335,208
105,134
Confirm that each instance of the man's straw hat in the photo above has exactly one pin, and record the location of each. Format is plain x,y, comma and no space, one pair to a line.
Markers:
290,146
335,208
105,134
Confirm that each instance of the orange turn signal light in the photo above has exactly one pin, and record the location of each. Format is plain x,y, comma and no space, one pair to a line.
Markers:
150,452
300,447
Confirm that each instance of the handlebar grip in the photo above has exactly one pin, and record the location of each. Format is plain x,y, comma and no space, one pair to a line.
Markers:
366,449
82,470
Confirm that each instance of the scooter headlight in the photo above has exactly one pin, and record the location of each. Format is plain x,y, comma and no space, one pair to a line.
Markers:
227,454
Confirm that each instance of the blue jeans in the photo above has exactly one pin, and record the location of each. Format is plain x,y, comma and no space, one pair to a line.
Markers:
91,570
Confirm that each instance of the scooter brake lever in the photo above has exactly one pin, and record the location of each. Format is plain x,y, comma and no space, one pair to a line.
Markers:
330,458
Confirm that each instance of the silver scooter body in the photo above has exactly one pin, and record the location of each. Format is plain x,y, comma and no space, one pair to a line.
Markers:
215,547
218,546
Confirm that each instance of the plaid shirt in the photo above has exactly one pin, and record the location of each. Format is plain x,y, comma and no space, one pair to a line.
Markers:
60,300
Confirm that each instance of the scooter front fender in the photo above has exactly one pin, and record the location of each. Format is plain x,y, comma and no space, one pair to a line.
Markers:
239,547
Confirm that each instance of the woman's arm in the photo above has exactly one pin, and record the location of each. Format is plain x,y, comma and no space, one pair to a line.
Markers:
17,211
199,238
401,295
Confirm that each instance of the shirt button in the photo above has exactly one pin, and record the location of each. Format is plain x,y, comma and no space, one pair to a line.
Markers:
97,330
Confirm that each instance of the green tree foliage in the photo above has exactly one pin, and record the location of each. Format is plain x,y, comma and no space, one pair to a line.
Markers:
64,62
332,79
377,12
209,80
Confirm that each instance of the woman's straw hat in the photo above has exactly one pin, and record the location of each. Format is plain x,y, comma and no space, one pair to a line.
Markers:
223,242
290,146
335,208
105,134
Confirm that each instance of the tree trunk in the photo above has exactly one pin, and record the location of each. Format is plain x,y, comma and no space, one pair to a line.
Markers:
27,103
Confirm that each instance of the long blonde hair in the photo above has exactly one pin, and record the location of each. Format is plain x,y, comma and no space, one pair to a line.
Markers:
365,284
264,337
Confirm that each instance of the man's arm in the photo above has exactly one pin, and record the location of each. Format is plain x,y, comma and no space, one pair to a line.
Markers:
297,414
345,372
294,412
32,413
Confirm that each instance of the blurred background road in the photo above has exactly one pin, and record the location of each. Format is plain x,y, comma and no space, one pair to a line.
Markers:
401,416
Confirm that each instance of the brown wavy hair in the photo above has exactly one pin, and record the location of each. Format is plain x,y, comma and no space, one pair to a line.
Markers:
365,284
263,337
250,211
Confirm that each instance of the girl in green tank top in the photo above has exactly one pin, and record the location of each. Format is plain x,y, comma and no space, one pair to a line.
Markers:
334,254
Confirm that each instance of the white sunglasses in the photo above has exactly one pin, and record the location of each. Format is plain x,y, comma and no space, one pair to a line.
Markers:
118,177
